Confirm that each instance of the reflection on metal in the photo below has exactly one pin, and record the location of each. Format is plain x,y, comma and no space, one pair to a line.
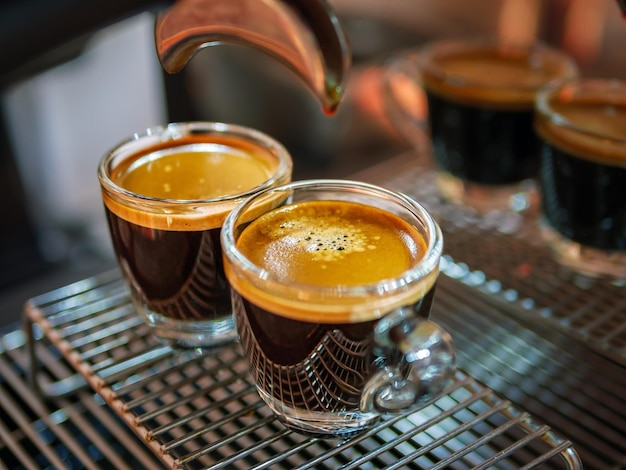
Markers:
202,410
305,36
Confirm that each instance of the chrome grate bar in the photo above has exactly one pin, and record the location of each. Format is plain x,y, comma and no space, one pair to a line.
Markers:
81,432
572,387
202,411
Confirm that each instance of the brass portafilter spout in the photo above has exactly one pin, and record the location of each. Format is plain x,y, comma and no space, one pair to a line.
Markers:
304,35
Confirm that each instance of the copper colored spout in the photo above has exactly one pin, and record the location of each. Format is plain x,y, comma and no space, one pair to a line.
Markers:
304,35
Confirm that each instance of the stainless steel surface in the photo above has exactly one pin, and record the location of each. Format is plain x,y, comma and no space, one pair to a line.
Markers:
79,432
541,384
202,410
575,390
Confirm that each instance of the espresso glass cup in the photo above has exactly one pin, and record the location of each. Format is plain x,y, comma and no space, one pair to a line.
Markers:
166,193
583,174
478,99
332,287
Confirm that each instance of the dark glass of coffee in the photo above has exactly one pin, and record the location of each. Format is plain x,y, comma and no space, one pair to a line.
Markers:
332,287
582,124
480,97
166,193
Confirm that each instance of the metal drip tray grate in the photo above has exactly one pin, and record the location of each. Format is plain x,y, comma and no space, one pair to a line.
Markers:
512,312
202,411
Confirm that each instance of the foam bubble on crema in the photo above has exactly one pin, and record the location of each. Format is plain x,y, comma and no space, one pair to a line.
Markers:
323,239
334,245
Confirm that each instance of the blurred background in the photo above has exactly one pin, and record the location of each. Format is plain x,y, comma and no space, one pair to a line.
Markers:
57,122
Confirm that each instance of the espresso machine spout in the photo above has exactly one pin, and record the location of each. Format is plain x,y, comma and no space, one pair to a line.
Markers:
304,35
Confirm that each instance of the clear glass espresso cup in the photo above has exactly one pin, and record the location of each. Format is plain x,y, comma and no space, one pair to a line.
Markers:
473,103
332,284
166,193
582,124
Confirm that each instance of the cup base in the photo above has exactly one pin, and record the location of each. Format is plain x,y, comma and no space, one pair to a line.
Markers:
517,197
586,260
338,425
192,334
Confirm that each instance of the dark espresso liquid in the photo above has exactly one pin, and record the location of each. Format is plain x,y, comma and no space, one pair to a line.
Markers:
172,258
483,145
317,357
177,274
583,180
480,107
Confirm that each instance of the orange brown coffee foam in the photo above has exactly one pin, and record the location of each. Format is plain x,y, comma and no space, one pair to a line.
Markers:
201,171
592,131
183,175
495,78
332,242
324,244
323,239
176,217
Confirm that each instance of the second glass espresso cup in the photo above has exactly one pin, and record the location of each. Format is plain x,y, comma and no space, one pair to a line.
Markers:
166,193
582,124
332,288
480,97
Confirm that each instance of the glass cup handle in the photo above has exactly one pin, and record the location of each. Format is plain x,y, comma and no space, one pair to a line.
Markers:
423,372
